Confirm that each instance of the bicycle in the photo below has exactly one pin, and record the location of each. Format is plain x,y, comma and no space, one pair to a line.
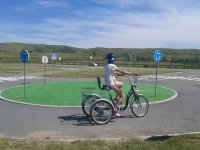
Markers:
102,110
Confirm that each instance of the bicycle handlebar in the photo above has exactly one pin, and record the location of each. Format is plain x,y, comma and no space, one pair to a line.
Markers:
134,82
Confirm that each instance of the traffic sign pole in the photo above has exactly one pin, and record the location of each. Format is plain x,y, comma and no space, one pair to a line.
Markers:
156,79
44,72
24,80
44,61
54,58
157,59
24,56
127,59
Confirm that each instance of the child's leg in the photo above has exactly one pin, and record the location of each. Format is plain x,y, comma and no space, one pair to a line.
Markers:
119,93
119,85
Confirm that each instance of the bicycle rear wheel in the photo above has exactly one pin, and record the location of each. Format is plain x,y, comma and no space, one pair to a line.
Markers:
139,106
87,102
101,111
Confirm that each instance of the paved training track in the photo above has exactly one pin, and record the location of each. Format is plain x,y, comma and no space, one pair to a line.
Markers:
180,115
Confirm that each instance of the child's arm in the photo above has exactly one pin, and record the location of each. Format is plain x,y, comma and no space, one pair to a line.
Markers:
120,72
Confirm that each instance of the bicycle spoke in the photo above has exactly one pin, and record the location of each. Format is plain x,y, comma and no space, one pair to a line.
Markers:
101,112
140,106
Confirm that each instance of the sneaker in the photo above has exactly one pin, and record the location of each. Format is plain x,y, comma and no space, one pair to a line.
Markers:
117,114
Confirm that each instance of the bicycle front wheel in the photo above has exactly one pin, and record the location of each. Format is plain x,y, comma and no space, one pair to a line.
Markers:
101,111
88,100
139,106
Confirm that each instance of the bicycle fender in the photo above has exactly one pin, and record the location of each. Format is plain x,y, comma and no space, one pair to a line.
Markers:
106,101
84,97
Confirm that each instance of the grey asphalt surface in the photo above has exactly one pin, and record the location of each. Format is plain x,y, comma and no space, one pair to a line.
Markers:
181,115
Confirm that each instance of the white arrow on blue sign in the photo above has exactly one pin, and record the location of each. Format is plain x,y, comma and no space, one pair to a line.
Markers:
157,56
24,56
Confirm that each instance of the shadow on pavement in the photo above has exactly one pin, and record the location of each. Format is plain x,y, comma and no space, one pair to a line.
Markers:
78,120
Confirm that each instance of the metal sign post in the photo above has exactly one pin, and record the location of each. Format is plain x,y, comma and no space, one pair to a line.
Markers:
156,82
128,58
44,61
157,59
54,58
24,56
90,61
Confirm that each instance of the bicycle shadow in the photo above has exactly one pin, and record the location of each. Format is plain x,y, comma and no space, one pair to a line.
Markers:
77,120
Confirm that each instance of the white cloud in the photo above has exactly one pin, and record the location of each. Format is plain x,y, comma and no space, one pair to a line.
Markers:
171,24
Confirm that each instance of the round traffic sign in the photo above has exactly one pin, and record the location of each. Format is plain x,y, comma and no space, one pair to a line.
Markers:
157,56
128,57
24,56
44,59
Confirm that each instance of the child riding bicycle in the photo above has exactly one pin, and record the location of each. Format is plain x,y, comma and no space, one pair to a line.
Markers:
110,71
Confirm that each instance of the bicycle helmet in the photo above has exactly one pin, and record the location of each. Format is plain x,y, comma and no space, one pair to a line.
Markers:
110,58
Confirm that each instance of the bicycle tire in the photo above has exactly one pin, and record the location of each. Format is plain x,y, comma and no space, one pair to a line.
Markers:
139,105
87,102
101,111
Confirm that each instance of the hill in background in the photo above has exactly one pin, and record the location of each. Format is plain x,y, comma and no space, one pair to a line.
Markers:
12,50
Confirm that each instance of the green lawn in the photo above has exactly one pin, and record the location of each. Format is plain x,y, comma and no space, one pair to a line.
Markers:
70,93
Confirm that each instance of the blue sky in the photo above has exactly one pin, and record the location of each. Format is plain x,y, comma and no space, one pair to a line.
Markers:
102,23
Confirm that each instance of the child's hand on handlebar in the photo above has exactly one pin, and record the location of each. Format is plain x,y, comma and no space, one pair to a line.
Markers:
137,74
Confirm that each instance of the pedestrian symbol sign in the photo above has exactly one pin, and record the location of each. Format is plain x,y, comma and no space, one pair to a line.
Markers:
54,56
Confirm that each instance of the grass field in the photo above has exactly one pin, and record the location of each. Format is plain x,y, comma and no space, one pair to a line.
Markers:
12,68
183,142
98,71
6,68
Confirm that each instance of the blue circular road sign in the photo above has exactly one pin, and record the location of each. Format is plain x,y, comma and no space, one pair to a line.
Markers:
157,56
24,55
128,57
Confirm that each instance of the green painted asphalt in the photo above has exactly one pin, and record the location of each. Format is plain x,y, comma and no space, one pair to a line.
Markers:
70,93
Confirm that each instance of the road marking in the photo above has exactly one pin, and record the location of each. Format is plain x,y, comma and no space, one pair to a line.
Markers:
152,78
15,78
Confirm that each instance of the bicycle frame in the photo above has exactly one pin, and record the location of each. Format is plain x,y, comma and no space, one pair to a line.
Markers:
132,90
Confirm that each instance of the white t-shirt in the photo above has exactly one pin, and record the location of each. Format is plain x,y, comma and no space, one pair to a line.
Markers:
109,76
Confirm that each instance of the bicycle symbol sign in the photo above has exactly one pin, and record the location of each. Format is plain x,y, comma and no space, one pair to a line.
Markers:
157,56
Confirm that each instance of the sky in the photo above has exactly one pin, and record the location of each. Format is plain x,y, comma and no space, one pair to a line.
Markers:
102,23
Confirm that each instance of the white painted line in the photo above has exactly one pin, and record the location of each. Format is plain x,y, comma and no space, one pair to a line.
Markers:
166,100
15,78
